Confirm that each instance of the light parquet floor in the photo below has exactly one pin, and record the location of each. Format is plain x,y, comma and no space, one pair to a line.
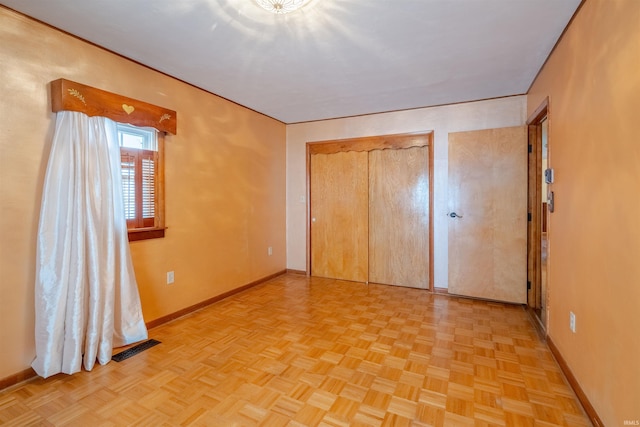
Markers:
316,352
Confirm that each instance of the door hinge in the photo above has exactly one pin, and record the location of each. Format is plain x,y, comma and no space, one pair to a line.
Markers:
530,148
528,285
529,216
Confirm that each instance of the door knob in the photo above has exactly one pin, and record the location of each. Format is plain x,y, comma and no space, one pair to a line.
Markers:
454,215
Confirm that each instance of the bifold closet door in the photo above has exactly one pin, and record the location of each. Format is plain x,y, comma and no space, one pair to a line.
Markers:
399,217
339,215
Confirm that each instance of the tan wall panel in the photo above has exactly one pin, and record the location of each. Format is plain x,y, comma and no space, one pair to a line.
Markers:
593,85
224,174
399,217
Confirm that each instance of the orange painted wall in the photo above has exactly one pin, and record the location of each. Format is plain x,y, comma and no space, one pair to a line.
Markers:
225,181
593,83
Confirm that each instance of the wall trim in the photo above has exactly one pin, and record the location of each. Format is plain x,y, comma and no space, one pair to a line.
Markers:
291,271
536,322
169,317
573,382
14,379
553,49
133,61
29,373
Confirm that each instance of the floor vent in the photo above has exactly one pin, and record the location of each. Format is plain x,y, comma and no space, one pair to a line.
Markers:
130,352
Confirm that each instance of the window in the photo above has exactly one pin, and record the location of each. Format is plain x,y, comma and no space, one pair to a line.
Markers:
141,156
141,148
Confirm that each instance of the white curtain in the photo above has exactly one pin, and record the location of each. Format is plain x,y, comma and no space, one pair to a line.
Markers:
86,296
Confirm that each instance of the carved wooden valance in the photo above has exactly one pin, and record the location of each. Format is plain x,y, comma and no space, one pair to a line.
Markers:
71,96
369,143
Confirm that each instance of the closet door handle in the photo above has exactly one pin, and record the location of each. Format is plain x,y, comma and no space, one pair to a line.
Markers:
454,215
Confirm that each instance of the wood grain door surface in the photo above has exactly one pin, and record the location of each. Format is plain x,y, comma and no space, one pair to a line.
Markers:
488,190
339,215
399,217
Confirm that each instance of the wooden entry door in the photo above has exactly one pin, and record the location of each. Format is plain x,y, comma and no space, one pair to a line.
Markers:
399,217
488,194
339,215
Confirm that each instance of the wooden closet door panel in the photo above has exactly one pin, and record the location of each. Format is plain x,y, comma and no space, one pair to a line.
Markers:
488,190
399,217
339,218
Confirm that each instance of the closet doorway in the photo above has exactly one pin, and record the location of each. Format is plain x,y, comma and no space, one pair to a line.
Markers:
369,211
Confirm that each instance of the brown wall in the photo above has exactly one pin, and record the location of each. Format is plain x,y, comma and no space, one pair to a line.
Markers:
224,172
593,83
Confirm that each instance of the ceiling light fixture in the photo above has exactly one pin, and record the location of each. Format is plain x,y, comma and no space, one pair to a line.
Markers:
281,6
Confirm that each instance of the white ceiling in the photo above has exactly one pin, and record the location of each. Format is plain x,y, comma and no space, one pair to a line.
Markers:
333,58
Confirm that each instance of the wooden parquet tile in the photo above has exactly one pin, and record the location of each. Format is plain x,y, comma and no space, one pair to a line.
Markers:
316,352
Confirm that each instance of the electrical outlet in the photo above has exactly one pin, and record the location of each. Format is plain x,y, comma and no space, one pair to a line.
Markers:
269,251
170,277
572,322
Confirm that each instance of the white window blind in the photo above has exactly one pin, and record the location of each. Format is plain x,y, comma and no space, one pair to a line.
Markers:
148,187
128,164
138,153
